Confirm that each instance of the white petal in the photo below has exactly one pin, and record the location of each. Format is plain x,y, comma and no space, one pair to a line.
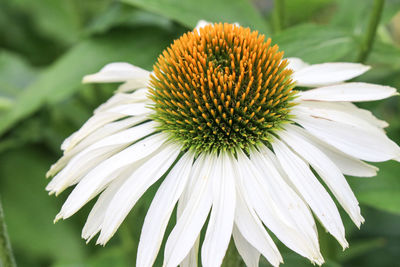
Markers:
191,258
94,122
220,225
134,187
249,254
116,72
334,111
327,170
328,73
359,143
365,115
296,64
131,85
250,227
135,109
96,180
347,164
96,153
139,96
311,190
258,196
189,224
95,136
96,215
352,92
160,211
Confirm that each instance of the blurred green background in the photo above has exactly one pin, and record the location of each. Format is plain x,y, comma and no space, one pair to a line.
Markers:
47,46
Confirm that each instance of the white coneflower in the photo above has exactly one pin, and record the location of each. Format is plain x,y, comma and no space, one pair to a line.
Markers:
220,118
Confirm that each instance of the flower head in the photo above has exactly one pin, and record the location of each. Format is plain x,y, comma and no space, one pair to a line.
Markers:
221,120
221,88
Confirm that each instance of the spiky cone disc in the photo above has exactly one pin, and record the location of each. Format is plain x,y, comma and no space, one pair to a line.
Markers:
221,87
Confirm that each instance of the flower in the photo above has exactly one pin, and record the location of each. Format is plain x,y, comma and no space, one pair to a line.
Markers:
221,120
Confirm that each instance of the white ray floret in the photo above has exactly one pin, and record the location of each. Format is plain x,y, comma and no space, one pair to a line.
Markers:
116,72
353,92
189,224
160,211
328,73
220,225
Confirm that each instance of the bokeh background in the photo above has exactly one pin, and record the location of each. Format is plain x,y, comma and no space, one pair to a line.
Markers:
47,46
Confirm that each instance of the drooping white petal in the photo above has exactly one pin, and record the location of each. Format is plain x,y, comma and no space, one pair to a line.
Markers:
87,159
96,180
116,72
92,124
189,224
296,64
359,143
258,196
135,109
250,227
327,170
139,96
311,190
160,210
351,92
335,111
249,254
191,258
328,73
103,132
347,164
96,215
364,114
220,225
134,84
134,187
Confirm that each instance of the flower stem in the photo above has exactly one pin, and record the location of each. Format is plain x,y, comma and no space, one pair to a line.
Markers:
366,44
6,255
279,15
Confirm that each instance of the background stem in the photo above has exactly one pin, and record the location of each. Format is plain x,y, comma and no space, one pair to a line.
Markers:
366,44
6,255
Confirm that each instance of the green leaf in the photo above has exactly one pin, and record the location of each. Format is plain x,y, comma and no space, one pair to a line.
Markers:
106,257
15,75
125,15
315,44
140,47
385,55
189,12
360,248
352,15
58,19
316,10
5,103
30,211
381,192
15,72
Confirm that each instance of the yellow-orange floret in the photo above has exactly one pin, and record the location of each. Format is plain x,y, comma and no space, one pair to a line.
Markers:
221,87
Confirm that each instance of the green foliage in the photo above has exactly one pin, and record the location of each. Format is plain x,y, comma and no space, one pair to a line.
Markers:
381,192
30,211
316,44
189,12
47,46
